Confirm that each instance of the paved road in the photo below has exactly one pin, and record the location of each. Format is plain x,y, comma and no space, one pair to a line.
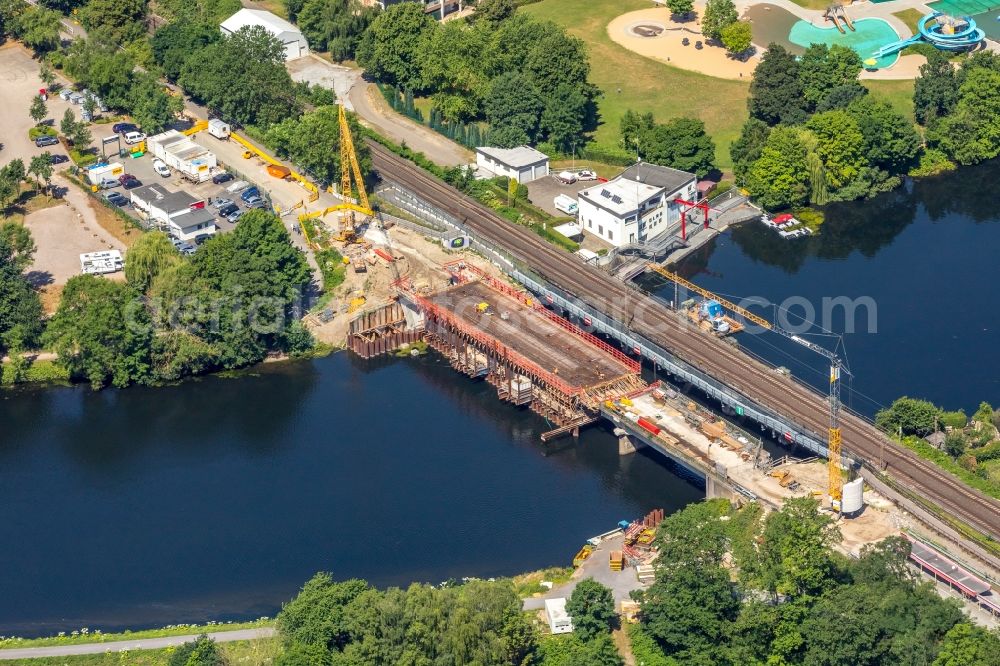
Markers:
137,644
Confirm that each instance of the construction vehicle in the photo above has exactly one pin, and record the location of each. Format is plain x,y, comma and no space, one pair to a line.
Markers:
835,481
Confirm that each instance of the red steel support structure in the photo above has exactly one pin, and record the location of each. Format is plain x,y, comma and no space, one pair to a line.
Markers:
703,206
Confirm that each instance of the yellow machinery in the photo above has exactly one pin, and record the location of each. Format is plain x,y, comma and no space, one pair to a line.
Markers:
349,167
835,482
197,127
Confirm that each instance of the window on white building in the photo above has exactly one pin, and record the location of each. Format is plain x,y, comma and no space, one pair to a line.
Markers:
611,235
600,229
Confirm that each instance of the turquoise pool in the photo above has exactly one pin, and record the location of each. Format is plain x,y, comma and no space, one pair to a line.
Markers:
869,35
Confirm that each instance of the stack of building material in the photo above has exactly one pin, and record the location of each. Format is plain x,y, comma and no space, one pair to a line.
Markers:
616,561
645,574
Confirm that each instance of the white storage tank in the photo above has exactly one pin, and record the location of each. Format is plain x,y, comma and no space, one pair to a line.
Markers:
853,497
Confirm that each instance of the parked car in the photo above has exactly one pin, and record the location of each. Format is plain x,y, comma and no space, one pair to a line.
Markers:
123,128
221,178
237,186
124,177
250,193
46,140
108,183
228,210
129,181
253,202
132,138
56,158
233,217
112,195
586,174
186,249
566,177
160,167
201,238
221,203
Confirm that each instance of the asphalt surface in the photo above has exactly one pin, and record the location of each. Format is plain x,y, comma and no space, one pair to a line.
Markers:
137,644
645,316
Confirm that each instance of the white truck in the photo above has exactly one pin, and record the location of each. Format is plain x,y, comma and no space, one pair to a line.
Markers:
101,171
219,129
565,203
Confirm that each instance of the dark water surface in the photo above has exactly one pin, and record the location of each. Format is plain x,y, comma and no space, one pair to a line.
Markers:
928,255
218,498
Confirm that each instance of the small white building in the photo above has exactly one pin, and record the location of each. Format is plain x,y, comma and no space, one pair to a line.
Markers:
164,207
191,224
180,152
286,33
637,205
559,621
524,164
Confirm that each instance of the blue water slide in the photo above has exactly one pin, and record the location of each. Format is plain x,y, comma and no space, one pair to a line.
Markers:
957,41
892,47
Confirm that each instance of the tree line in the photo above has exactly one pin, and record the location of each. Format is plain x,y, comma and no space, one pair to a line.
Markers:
233,302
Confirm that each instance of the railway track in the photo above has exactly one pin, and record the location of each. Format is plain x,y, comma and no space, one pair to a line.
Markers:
650,319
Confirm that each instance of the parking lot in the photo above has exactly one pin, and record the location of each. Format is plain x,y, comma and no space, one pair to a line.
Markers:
543,191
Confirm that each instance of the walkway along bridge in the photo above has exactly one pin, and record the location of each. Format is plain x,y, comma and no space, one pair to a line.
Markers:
645,328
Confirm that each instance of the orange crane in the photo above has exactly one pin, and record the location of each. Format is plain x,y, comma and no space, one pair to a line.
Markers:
835,482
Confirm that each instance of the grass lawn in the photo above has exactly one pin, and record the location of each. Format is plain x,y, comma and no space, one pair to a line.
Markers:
98,637
255,653
897,93
910,18
645,84
812,4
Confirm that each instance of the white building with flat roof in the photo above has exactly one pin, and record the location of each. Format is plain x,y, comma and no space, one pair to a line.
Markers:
291,38
555,612
523,164
637,205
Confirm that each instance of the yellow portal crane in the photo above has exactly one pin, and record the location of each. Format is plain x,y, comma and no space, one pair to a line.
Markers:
835,482
349,166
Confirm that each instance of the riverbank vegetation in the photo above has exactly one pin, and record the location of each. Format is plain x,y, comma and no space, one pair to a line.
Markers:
967,447
85,635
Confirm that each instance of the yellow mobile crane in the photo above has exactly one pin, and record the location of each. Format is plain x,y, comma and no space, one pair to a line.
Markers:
835,482
348,166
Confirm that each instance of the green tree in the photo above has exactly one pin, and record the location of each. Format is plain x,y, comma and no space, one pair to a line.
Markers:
680,7
20,307
175,42
150,255
119,21
841,97
954,444
776,89
592,608
335,25
391,48
748,147
46,74
908,416
313,141
41,168
572,651
513,108
966,644
243,77
494,12
779,178
823,68
839,146
38,28
935,91
736,37
152,108
633,125
38,110
200,652
795,552
565,116
101,332
68,123
681,143
718,15
81,138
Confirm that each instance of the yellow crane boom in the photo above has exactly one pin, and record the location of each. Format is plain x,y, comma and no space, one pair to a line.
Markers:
690,286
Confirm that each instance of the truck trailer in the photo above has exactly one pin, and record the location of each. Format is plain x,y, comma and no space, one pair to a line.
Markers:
181,153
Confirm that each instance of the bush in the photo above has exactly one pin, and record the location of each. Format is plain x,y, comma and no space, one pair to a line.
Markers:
41,130
331,264
954,419
932,163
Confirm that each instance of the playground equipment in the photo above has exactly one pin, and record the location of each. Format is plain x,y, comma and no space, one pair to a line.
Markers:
947,33
838,13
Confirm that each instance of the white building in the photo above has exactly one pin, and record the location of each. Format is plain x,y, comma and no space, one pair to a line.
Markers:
637,205
98,263
524,164
559,621
286,33
180,152
180,214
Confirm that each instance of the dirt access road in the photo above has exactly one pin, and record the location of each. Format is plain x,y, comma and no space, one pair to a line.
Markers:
364,98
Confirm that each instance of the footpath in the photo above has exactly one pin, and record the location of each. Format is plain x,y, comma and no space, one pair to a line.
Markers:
137,644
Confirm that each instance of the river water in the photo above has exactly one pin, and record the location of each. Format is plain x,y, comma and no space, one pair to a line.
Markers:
218,498
928,258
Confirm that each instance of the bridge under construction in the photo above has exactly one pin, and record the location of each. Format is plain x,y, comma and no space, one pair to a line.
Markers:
648,330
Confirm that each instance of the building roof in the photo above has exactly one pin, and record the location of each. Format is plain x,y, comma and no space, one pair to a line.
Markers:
196,216
659,176
620,196
271,22
150,193
159,196
515,158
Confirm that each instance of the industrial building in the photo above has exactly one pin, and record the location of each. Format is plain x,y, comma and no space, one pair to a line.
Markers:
638,205
178,213
180,152
524,164
290,36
